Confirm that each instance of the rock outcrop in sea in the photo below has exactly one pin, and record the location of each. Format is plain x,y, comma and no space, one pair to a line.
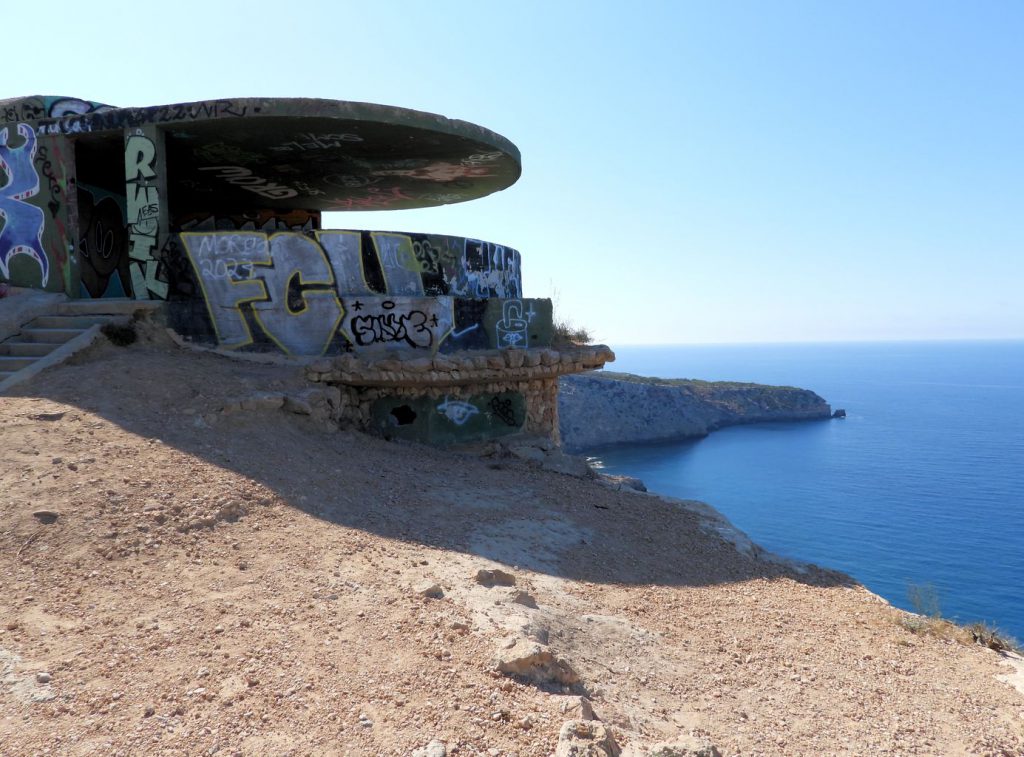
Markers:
597,409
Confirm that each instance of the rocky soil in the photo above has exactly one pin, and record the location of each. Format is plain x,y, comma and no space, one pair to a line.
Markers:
186,573
599,409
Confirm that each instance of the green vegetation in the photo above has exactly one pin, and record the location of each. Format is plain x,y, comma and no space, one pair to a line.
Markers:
927,620
692,383
993,638
565,333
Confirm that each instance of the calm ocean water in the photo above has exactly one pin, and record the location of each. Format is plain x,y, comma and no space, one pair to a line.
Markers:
922,484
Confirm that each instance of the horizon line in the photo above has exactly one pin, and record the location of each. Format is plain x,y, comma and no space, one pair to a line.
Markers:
909,340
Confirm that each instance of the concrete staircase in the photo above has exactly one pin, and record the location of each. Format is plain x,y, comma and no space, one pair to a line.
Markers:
67,327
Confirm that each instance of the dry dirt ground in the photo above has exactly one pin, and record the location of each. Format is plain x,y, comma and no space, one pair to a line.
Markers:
249,583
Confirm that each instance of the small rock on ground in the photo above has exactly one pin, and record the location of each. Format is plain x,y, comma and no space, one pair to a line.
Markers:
689,746
577,708
535,662
495,577
434,749
586,738
429,589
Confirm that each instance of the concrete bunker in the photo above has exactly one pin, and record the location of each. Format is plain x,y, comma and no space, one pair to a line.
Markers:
214,208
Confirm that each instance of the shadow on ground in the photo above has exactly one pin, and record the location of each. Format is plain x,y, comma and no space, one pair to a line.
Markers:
494,508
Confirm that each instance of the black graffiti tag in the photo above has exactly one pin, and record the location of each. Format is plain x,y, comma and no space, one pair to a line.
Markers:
116,118
45,167
410,327
503,409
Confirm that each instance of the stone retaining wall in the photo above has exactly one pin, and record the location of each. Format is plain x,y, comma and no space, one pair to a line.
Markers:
455,398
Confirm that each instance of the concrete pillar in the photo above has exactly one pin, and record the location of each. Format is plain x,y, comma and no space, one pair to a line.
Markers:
145,175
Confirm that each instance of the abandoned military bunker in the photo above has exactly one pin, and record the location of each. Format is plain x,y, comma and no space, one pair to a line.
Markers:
207,215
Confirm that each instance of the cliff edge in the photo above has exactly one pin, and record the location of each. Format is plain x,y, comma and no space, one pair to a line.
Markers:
187,568
599,409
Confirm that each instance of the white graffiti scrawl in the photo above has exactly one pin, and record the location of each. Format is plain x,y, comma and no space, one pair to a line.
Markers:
457,411
488,270
512,329
256,268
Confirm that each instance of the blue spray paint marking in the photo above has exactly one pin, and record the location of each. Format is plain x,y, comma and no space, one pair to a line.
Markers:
457,334
22,232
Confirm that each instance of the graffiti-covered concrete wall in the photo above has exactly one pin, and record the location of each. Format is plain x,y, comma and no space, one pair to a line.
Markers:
459,414
34,209
145,166
368,262
38,216
327,292
70,168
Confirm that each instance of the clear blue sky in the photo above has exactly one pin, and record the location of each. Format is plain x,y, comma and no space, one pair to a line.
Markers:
692,172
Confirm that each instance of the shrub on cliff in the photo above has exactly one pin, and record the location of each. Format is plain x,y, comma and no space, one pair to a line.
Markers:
566,334
927,619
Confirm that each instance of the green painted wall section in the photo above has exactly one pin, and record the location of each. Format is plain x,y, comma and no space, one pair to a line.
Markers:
518,323
449,420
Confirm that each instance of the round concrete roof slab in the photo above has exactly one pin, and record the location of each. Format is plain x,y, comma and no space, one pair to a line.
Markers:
311,154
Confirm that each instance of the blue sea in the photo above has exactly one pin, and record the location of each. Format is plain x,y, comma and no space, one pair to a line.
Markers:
921,485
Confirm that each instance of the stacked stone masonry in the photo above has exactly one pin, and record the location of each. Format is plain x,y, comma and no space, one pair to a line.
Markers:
455,398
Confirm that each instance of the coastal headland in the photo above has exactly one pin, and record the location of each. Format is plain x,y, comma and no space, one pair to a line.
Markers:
186,568
604,408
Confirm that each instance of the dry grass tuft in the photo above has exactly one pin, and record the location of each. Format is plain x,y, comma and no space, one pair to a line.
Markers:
565,334
993,638
938,628
927,620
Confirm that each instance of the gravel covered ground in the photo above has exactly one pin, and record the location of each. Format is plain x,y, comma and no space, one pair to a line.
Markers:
248,583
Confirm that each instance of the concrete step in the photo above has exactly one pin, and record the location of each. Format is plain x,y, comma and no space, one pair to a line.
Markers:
69,321
55,336
5,375
106,306
17,348
11,364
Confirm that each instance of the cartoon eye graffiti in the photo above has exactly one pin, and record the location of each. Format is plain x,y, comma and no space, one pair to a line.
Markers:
457,411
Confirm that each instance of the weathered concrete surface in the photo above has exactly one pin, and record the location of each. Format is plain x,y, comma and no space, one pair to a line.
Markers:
597,409
21,305
58,356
